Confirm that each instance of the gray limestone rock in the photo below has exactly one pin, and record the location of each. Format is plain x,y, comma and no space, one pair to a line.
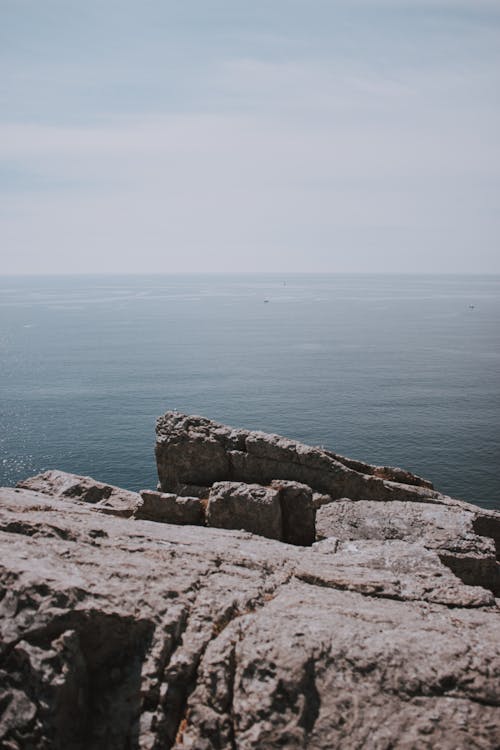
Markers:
361,674
194,450
283,510
233,505
119,632
393,474
166,508
124,633
388,569
188,452
461,535
109,499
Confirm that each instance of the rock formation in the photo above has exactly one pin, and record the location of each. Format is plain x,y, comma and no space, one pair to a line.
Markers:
152,620
192,453
107,498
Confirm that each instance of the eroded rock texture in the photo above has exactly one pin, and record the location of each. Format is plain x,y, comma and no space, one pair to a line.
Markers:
449,530
119,632
107,498
192,453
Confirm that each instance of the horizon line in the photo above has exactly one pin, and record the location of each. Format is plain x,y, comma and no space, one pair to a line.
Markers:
281,274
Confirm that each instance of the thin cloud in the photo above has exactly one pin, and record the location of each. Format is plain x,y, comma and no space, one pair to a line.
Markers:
317,159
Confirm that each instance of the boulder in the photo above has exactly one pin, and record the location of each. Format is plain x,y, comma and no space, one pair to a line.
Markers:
251,507
283,510
166,508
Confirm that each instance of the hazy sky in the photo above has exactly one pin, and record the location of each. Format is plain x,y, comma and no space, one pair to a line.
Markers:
249,135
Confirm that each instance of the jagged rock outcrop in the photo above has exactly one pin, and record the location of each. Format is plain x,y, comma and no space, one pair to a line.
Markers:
118,632
192,453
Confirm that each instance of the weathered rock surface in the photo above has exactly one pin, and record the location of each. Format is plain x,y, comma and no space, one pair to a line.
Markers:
284,510
118,632
195,451
163,507
108,499
250,507
393,474
451,531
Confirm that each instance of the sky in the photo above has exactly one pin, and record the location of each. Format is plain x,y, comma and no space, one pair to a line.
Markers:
166,136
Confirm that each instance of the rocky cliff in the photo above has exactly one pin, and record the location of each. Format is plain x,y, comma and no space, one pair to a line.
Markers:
267,595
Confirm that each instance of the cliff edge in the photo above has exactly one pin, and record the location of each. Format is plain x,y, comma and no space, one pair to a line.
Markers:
266,595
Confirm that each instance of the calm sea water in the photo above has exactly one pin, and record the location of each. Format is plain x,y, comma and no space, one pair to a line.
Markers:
399,370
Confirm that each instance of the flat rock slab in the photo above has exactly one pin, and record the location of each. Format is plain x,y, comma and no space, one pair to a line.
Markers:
108,498
463,536
192,637
437,524
388,569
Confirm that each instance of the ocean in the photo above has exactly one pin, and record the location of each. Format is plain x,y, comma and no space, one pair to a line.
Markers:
390,369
